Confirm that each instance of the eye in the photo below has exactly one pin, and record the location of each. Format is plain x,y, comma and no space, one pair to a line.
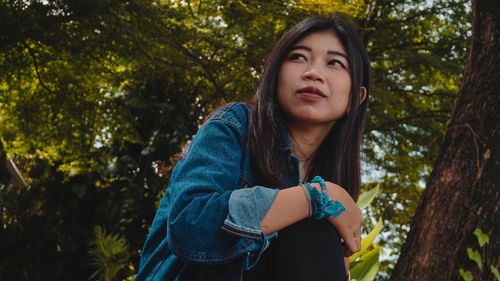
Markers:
336,63
297,57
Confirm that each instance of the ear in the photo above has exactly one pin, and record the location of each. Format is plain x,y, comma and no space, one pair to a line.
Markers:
362,95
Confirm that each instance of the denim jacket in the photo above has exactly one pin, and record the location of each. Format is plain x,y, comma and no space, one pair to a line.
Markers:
207,226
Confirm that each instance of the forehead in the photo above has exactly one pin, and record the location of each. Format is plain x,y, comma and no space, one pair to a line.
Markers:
324,41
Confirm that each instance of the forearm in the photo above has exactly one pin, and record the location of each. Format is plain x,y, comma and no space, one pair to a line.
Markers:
289,206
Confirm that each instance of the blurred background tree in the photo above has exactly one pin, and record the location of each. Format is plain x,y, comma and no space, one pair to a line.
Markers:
96,98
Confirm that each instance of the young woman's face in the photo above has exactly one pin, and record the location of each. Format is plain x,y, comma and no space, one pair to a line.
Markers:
314,81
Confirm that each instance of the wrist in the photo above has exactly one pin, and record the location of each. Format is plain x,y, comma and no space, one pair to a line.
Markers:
321,204
308,197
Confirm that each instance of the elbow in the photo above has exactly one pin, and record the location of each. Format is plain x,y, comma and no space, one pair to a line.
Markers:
265,228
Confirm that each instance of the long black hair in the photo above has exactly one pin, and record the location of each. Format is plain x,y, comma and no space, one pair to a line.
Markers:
337,159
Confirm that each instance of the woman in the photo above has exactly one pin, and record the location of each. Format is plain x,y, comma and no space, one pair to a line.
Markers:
239,183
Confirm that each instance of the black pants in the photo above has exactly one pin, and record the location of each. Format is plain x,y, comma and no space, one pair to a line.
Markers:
309,250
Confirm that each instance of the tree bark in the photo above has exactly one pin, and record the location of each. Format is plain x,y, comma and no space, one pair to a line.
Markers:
463,190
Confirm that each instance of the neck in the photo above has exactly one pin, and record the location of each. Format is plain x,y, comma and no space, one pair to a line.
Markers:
305,142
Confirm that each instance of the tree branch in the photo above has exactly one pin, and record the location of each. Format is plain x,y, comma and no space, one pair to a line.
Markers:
37,72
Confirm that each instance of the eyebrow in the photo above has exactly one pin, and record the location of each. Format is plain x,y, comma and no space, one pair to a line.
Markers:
330,52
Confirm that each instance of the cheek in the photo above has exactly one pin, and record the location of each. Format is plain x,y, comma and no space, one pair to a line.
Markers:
282,80
288,73
343,88
283,83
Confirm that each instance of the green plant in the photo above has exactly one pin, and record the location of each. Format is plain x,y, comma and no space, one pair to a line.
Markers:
475,256
365,263
109,254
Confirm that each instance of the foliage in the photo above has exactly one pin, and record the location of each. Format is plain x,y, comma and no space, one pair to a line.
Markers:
367,269
4,173
495,272
481,237
365,263
95,98
367,197
466,275
475,256
109,253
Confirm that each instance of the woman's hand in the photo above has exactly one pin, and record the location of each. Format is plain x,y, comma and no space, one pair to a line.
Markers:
348,224
347,265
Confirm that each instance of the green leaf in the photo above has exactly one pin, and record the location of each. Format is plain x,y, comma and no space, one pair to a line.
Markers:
368,241
481,237
475,256
366,198
466,275
495,272
109,253
367,268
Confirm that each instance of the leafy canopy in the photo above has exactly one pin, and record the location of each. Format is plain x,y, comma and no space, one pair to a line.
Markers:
92,93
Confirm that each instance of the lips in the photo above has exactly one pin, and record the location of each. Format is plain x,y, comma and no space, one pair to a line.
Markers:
311,91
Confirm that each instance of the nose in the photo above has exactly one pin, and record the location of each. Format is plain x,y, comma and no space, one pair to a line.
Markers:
314,74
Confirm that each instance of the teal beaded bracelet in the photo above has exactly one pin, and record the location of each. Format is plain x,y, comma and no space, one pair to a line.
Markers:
321,206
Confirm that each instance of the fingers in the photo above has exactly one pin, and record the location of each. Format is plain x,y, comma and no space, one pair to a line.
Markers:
357,241
350,247
357,233
349,223
355,238
349,227
346,264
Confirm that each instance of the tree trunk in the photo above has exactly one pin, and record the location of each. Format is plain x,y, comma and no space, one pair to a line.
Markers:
463,190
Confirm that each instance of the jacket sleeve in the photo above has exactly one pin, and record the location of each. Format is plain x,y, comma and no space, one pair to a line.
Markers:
210,220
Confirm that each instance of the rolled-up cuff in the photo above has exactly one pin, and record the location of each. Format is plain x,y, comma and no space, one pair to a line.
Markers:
247,208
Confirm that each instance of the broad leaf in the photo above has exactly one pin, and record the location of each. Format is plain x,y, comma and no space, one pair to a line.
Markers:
367,268
495,272
475,256
466,275
366,198
481,237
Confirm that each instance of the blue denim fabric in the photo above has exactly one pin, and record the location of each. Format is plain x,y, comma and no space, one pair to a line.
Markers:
207,226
